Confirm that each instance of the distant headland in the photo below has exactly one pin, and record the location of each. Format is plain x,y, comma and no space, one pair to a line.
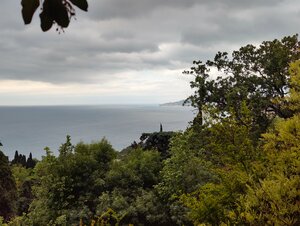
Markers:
176,103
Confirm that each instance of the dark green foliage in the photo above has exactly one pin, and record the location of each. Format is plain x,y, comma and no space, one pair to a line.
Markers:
7,189
25,197
257,76
20,159
30,163
16,159
53,11
157,141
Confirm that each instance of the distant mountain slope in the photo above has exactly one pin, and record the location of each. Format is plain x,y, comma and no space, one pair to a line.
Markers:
177,103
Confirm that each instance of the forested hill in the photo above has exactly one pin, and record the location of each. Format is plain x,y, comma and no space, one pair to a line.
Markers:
237,164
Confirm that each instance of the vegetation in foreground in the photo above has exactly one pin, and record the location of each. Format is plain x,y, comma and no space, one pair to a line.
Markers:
237,164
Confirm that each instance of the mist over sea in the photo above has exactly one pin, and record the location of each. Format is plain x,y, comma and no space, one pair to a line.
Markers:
31,129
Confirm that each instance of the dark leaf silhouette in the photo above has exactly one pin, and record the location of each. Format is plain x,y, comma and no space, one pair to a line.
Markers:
60,13
81,4
57,12
28,9
46,17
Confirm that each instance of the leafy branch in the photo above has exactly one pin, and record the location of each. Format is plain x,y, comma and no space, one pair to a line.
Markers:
52,12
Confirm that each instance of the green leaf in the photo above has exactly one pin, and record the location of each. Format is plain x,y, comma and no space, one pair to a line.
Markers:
28,9
81,4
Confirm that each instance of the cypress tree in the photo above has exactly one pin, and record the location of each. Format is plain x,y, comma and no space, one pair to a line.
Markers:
16,158
30,162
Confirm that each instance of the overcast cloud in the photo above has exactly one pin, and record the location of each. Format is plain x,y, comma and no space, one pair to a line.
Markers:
130,51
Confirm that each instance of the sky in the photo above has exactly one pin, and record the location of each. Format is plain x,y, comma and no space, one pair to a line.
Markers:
129,51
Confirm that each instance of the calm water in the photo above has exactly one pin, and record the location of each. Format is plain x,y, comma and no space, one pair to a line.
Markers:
30,129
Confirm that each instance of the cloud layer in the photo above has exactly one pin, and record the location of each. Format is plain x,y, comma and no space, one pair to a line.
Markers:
134,43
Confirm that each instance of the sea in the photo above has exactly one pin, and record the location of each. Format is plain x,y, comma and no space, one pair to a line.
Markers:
32,128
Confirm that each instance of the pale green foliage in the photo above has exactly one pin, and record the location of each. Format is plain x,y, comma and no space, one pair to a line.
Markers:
184,171
130,193
207,204
139,169
258,185
143,207
70,183
295,86
21,174
231,143
1,221
274,199
24,178
230,149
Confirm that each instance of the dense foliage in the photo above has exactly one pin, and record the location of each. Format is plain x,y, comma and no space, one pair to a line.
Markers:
237,164
7,189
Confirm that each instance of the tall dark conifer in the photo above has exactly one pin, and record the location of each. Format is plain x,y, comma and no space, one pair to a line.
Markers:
30,162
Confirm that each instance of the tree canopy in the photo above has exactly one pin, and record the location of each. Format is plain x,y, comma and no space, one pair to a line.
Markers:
256,76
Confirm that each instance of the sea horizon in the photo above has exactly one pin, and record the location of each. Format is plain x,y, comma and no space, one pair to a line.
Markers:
32,128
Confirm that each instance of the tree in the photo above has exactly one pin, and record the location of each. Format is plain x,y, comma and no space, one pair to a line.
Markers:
159,141
294,97
57,12
273,195
226,158
139,169
130,192
24,178
68,185
7,189
257,76
183,172
16,159
258,182
30,163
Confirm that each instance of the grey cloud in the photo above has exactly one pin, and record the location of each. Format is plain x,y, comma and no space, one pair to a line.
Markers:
246,25
108,9
132,35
